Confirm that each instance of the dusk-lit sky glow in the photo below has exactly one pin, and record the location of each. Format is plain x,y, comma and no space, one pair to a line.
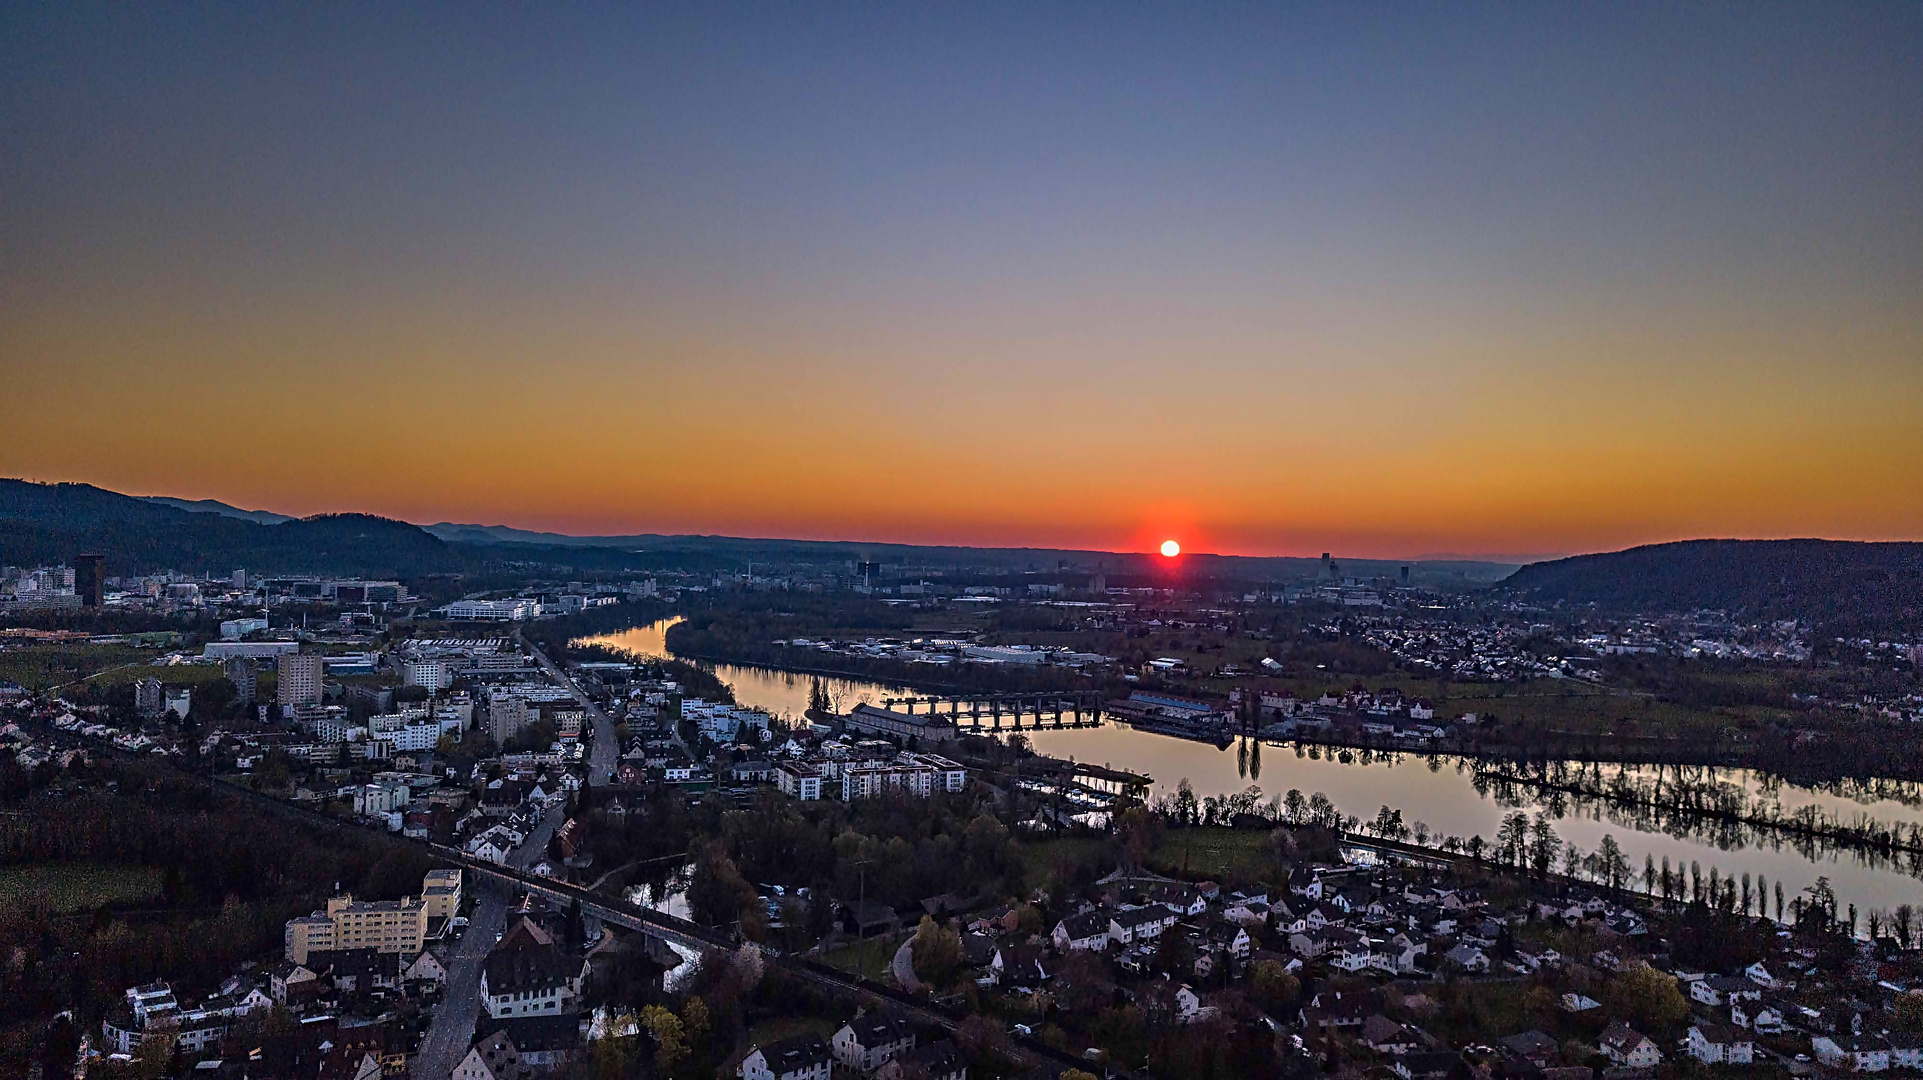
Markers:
1267,279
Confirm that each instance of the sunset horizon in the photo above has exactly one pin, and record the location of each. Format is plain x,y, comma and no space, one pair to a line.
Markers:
990,541
1283,282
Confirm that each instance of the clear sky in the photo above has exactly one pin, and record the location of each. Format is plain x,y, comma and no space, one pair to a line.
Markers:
1381,279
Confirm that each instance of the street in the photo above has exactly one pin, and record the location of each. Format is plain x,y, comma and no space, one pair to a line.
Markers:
446,1040
605,749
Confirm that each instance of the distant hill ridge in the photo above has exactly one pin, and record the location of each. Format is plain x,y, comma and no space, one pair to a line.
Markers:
215,506
1874,585
50,523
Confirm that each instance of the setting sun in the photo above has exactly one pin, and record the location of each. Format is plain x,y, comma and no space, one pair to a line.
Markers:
1171,549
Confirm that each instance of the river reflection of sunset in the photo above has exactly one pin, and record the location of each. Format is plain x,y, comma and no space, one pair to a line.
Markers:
1438,791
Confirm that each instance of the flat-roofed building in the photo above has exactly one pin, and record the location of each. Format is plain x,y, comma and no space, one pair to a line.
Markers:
300,679
441,893
387,926
925,727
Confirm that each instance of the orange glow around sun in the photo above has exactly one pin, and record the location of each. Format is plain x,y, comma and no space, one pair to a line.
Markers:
1171,549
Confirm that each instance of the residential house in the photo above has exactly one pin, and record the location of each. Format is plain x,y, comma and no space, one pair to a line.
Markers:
1084,932
1429,1065
1322,916
865,1043
291,984
1338,1010
939,1060
1189,1007
1385,1036
1627,1048
1722,989
526,974
1762,1017
798,1057
1022,967
1857,1053
1183,899
426,967
1231,939
546,1043
1532,1046
492,1058
1132,925
1720,1044
1314,944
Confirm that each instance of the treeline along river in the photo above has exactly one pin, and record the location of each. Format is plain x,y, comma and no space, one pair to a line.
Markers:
1865,836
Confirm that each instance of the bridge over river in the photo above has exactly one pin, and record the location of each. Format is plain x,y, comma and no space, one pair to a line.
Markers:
986,712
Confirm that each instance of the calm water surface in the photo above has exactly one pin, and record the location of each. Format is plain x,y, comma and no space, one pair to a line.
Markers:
1438,791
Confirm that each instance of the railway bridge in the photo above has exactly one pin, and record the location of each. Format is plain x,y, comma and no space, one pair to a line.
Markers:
987,712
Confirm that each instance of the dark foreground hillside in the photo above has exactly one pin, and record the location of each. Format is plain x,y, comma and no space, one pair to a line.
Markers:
1835,582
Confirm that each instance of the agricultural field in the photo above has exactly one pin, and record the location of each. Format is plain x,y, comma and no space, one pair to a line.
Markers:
63,888
39,667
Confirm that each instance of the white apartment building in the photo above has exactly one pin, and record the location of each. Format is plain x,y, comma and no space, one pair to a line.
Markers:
433,676
799,780
920,775
300,679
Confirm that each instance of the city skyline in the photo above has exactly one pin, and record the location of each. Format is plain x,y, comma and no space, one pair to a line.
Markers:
1268,282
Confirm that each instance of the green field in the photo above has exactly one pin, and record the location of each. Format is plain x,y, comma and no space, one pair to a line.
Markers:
68,887
1043,860
1212,852
869,958
38,667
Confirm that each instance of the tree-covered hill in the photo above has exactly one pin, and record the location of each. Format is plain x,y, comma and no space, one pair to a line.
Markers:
1874,586
51,523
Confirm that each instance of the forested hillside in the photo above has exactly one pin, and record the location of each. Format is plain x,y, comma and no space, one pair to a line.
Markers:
1875,587
51,523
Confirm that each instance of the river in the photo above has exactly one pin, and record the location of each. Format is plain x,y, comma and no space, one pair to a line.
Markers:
1439,791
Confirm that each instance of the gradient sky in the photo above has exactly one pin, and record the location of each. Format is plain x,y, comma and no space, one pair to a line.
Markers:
1380,279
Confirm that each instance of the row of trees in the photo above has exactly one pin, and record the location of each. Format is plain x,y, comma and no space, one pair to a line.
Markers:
1699,793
